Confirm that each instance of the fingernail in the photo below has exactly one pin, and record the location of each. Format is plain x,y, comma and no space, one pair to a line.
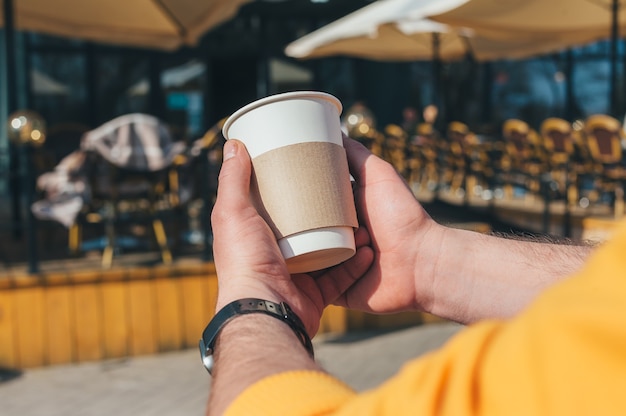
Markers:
230,149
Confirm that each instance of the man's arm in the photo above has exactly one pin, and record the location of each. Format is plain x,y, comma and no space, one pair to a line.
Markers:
250,348
485,276
422,265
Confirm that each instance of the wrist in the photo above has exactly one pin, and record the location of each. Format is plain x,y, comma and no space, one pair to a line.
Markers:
249,349
252,288
250,306
431,252
453,274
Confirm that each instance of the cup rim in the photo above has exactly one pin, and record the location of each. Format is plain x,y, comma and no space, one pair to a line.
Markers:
278,97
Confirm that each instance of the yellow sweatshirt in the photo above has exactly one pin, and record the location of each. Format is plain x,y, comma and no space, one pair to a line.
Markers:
564,355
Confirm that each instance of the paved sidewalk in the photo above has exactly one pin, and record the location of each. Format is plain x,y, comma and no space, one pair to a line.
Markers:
177,384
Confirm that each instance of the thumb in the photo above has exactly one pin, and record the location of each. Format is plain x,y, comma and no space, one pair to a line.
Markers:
234,177
357,155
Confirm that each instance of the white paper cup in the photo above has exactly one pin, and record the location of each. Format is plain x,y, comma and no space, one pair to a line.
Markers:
301,180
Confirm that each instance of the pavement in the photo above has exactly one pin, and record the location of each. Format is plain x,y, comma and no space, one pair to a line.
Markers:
175,383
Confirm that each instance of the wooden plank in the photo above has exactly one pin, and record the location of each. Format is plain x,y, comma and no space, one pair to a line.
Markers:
28,318
195,300
59,325
169,314
142,317
87,322
211,292
8,343
115,323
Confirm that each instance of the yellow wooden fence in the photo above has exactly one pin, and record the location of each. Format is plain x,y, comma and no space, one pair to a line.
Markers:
78,316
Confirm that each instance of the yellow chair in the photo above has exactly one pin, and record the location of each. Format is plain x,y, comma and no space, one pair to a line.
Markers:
559,143
557,135
394,148
454,163
523,144
604,139
428,146
522,161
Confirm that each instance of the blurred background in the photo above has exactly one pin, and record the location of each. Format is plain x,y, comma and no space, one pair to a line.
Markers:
499,118
77,72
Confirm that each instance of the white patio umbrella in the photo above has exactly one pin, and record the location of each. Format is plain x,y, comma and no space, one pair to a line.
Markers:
364,24
518,17
569,19
411,40
160,24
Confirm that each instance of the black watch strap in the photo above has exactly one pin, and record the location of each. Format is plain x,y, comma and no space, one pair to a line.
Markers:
280,311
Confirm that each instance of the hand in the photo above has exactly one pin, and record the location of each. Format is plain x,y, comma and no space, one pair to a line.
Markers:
248,260
404,238
452,273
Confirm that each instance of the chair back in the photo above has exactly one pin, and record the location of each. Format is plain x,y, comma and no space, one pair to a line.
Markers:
557,138
604,138
516,131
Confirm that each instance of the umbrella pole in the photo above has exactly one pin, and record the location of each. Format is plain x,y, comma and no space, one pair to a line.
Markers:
11,81
19,157
263,62
437,101
487,84
614,97
9,45
569,85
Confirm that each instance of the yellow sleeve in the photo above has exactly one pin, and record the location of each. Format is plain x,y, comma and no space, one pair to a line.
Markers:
564,355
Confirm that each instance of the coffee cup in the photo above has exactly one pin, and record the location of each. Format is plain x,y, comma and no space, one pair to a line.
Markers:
300,183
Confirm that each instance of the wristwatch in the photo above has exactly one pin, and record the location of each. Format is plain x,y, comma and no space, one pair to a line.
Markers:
280,311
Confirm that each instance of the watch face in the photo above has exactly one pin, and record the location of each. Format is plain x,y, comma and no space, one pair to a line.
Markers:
207,359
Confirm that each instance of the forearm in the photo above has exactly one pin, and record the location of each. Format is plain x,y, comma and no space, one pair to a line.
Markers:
482,276
249,348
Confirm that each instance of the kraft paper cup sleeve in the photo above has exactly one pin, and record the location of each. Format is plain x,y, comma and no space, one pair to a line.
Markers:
303,187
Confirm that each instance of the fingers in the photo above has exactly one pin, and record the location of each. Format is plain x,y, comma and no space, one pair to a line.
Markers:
234,179
334,283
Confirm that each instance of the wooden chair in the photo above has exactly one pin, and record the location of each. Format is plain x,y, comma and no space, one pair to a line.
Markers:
130,169
428,147
559,143
604,138
395,148
557,136
454,164
517,164
126,197
474,167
